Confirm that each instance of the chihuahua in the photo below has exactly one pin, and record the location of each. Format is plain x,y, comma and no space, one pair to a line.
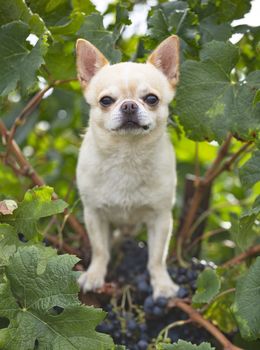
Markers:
126,172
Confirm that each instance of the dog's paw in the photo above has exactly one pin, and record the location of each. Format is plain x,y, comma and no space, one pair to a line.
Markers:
91,280
164,287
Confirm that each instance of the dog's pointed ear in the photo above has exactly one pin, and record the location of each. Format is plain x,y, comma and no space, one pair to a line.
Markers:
166,58
89,61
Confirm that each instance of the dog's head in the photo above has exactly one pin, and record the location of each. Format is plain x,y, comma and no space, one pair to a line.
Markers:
129,98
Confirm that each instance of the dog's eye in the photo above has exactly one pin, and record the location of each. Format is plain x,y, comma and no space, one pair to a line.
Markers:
151,99
106,101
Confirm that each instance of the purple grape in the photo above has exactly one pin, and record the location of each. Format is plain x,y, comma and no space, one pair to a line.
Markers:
148,304
142,286
182,292
132,325
143,327
161,302
142,345
158,311
192,275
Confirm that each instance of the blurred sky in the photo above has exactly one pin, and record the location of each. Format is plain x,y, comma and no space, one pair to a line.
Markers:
139,14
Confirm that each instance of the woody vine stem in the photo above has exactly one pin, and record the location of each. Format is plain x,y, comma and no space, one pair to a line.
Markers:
218,166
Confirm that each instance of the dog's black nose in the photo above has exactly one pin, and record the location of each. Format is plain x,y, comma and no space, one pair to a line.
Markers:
129,107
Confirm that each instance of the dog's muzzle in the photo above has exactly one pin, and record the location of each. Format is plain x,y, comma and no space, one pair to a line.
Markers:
130,120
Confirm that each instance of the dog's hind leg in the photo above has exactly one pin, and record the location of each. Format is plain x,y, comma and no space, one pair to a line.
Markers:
159,233
99,235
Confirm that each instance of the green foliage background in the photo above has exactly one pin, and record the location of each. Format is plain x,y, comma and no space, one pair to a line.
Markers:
218,93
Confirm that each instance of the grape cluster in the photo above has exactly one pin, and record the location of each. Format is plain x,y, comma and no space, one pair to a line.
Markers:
125,328
132,263
139,322
155,307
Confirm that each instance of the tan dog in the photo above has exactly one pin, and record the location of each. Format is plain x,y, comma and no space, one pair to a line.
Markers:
126,168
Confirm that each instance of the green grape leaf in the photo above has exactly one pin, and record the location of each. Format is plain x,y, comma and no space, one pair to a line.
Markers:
208,285
183,345
122,19
16,10
245,231
8,243
220,314
85,6
174,18
216,104
249,173
158,25
64,68
43,306
52,12
18,63
69,28
81,8
211,30
37,204
231,9
247,307
94,31
122,15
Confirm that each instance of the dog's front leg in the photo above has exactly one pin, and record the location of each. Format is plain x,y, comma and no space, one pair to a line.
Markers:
98,230
159,233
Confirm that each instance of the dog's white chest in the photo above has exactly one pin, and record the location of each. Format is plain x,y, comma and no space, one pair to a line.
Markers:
121,188
126,185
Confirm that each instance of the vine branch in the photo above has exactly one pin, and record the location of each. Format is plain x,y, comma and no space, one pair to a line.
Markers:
60,245
243,256
205,236
196,317
220,156
30,107
201,184
226,166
